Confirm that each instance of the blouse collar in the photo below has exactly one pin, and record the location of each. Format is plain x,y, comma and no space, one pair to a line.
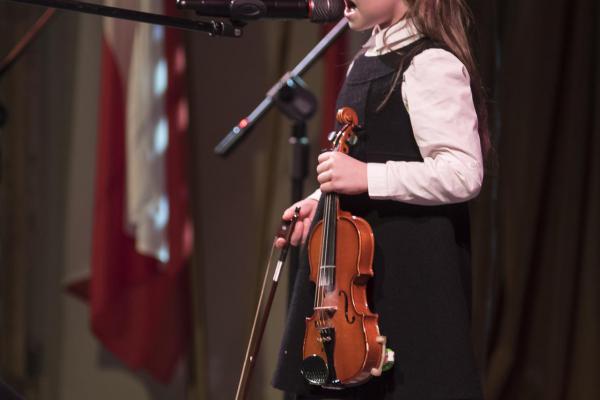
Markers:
396,36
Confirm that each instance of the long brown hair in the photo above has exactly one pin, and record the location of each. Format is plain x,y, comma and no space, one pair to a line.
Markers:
446,22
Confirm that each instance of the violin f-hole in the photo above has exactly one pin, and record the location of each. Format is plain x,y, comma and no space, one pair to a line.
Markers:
341,292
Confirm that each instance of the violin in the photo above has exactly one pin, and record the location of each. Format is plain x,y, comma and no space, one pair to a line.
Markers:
342,343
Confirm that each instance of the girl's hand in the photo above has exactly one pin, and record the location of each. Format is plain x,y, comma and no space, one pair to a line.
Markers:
340,173
308,207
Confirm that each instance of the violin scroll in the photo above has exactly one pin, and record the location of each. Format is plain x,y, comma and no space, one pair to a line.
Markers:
348,118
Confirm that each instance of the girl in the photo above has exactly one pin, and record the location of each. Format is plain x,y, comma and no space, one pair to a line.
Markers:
418,161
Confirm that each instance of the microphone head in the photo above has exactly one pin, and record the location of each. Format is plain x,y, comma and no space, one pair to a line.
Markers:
326,10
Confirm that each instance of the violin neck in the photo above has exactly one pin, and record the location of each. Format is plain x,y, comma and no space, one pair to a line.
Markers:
330,212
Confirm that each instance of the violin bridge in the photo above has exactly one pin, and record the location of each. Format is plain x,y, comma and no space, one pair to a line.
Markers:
331,309
325,313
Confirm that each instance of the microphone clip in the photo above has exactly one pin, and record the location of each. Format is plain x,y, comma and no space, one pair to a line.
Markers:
243,10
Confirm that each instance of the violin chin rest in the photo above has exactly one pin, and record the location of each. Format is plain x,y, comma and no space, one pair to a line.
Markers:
384,359
314,369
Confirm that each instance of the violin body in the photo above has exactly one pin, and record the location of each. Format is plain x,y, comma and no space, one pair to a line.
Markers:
356,327
342,344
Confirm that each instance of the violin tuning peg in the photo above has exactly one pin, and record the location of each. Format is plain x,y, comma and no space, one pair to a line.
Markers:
331,135
359,130
352,140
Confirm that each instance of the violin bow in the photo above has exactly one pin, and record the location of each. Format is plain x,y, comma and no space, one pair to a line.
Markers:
261,318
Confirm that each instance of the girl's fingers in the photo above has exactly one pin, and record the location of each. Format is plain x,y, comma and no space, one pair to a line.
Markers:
324,156
287,214
312,211
326,187
297,234
302,227
325,177
323,166
304,211
300,232
298,229
306,223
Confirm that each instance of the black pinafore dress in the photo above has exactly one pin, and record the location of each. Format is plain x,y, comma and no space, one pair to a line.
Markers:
422,284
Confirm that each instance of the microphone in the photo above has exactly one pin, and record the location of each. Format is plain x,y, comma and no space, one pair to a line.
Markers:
319,11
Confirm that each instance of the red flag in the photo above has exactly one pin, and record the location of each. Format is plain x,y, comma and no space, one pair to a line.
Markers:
142,235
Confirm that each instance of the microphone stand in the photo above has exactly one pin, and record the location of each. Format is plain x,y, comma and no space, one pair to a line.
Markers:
213,27
234,136
290,85
293,98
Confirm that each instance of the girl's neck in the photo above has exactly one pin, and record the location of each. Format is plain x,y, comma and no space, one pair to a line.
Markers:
392,21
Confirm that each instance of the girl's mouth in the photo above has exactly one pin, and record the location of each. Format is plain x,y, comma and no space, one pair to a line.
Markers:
350,8
350,5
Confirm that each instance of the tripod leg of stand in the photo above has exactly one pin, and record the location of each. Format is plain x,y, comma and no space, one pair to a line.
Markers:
300,143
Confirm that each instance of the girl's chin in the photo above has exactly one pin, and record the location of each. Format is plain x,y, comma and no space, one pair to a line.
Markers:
357,23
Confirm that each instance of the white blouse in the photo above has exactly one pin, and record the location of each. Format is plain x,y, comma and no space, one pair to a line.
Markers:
437,95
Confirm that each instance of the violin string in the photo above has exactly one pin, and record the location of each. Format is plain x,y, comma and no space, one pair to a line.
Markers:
327,248
331,271
330,237
331,241
322,260
328,244
329,225
333,206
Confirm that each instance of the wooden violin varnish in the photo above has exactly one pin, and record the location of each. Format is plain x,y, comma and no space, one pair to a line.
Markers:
342,343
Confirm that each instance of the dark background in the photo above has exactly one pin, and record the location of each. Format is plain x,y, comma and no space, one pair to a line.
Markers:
536,226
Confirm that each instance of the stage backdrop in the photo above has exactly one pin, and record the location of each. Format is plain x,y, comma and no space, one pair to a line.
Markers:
537,263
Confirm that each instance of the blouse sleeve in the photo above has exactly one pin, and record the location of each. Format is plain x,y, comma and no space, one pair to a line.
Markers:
437,95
